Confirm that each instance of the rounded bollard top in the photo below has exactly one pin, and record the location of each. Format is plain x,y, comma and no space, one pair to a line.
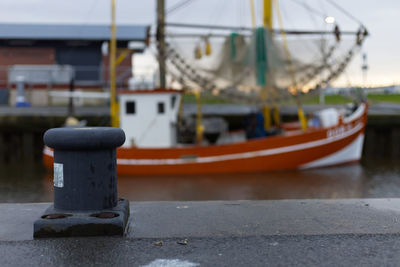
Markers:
91,138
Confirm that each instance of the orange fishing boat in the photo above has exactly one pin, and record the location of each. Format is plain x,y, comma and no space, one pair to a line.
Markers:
257,65
295,149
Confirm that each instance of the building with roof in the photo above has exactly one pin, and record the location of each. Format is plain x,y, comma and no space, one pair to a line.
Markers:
83,47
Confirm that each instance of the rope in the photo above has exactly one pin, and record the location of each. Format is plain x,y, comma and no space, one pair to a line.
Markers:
310,9
253,14
285,45
344,11
178,6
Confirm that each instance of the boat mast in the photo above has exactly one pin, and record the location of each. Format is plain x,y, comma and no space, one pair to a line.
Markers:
113,85
267,16
161,41
267,23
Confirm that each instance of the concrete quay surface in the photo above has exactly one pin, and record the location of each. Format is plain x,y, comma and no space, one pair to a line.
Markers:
359,232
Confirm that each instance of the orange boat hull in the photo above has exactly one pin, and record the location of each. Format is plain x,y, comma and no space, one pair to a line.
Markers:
294,150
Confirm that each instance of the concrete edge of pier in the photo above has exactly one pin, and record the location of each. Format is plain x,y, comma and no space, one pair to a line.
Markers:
232,218
219,232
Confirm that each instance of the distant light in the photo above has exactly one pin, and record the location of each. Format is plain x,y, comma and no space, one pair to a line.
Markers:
330,20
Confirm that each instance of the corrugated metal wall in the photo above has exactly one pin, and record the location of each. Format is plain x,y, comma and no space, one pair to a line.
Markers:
85,60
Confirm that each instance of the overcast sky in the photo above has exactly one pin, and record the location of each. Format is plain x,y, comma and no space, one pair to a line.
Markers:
380,17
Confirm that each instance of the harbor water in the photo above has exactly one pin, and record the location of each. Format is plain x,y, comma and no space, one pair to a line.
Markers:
372,178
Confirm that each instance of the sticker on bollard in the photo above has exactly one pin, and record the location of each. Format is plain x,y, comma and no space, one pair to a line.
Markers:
85,184
58,175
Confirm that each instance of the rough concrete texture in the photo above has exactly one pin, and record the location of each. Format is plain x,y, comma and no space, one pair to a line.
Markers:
223,233
300,250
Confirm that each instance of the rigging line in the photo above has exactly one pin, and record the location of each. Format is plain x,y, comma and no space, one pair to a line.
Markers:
310,9
314,20
89,13
347,77
312,15
285,45
253,14
345,12
322,6
314,11
149,126
178,6
260,6
84,23
287,17
305,44
241,16
218,14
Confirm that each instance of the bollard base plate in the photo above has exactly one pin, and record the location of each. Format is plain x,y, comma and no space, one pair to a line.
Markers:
64,223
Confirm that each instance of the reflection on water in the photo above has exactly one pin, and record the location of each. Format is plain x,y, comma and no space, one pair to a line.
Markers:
324,183
24,182
383,178
31,183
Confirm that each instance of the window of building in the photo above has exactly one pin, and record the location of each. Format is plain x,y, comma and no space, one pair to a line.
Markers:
130,107
173,101
160,108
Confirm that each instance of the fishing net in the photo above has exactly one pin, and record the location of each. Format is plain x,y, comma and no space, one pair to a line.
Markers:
253,66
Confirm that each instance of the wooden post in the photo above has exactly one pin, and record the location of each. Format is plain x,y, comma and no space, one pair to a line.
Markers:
71,109
161,41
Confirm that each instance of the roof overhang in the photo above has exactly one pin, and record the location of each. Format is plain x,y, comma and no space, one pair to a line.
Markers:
70,34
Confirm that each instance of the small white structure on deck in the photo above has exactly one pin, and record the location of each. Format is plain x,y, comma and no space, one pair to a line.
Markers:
328,117
149,117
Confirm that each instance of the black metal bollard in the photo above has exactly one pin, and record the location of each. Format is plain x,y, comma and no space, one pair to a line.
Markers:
85,184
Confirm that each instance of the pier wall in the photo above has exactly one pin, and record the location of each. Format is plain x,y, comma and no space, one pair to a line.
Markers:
21,137
382,137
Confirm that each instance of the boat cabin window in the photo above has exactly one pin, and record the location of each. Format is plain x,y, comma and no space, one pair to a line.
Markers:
130,107
173,101
160,108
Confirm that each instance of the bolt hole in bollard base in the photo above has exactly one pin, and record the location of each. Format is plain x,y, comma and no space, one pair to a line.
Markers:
85,184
